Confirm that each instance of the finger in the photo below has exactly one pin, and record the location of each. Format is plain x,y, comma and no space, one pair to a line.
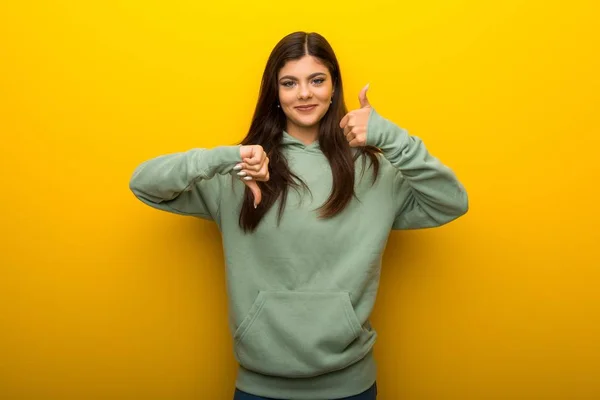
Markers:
262,174
251,167
348,130
257,156
345,120
351,121
355,143
362,97
265,172
256,175
256,193
254,170
350,136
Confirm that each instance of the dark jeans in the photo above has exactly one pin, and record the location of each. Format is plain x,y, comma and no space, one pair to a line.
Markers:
369,394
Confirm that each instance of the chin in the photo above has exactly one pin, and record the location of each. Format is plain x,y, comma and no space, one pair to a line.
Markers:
308,124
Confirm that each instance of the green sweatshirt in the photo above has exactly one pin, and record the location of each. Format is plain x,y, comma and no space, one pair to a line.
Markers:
301,293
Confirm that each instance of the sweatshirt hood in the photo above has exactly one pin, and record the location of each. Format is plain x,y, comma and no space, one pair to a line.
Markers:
292,143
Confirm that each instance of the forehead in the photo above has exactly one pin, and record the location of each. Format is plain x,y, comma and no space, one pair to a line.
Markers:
303,67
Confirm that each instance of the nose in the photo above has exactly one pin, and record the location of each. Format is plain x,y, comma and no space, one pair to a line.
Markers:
304,92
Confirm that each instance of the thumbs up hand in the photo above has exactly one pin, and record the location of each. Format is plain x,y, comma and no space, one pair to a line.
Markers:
355,122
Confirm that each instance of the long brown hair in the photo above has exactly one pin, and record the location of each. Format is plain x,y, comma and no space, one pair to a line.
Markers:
268,124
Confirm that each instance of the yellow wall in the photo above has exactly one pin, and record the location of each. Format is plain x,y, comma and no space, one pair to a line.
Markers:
102,297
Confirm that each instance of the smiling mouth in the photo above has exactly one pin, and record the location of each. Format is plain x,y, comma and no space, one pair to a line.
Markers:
306,108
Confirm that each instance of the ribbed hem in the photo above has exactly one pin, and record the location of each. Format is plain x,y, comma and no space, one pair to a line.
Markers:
349,381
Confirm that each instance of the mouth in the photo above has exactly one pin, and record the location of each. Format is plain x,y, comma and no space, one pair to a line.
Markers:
306,108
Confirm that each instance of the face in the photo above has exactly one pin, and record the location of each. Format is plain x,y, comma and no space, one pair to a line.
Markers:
305,91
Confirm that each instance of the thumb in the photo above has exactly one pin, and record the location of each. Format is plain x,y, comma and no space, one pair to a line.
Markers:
255,191
362,97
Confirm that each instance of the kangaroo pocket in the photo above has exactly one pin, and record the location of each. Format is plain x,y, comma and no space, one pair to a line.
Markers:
301,334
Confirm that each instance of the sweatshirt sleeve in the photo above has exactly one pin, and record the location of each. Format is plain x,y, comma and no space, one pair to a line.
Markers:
185,183
426,192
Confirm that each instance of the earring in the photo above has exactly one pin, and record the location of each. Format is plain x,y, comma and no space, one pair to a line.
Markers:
278,106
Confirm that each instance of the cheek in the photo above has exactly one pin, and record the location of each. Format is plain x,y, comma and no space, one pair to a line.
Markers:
285,98
324,94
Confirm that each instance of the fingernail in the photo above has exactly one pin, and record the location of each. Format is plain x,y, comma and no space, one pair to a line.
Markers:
247,178
238,167
242,173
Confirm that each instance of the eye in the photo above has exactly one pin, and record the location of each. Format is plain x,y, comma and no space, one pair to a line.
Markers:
287,83
318,81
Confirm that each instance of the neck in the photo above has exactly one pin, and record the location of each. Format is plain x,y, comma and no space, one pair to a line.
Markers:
306,134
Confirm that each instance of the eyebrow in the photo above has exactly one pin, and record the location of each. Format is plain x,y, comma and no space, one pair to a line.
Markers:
309,77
